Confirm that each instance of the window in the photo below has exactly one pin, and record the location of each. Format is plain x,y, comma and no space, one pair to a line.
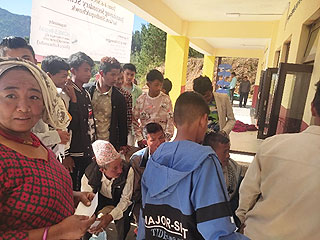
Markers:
311,48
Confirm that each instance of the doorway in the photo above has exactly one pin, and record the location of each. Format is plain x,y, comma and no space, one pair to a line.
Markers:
297,76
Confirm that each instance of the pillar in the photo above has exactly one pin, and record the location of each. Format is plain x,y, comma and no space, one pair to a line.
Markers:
208,66
176,61
257,83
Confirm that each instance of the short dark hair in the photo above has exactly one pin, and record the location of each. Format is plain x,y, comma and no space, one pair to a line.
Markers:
12,42
316,99
54,64
189,107
167,85
153,75
108,63
233,73
152,128
213,138
130,67
202,85
77,59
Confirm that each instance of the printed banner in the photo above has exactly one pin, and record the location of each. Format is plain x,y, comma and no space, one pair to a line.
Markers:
96,27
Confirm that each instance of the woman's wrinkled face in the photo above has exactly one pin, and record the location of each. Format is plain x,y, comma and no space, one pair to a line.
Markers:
21,101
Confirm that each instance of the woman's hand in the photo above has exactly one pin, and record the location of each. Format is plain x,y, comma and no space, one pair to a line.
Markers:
73,227
84,197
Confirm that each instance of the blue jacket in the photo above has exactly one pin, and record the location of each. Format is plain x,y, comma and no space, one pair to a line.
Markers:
184,195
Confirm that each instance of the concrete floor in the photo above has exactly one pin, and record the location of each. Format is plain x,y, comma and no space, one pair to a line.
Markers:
245,144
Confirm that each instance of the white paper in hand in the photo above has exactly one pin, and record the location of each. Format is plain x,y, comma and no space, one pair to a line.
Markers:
87,210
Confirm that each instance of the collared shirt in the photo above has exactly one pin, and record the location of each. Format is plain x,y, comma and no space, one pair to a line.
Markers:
125,200
102,109
281,185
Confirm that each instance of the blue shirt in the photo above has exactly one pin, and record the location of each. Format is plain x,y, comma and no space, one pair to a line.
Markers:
233,83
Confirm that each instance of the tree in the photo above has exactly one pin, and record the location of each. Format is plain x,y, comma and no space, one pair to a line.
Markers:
194,53
148,50
152,51
136,42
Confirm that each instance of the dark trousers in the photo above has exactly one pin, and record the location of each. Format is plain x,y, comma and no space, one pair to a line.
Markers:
231,95
244,97
122,225
80,163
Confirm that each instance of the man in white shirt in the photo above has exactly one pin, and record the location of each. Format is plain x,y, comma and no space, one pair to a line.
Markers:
280,192
111,178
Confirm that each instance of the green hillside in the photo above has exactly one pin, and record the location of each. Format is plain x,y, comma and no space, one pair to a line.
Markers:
14,25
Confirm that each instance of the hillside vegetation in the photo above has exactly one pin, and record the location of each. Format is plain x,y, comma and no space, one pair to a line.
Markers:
14,24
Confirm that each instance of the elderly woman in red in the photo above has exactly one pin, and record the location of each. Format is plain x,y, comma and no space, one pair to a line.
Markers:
36,198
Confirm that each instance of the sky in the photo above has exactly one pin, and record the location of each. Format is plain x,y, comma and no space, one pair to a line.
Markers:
23,7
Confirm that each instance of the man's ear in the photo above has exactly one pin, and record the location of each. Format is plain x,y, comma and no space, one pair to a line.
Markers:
204,120
73,71
148,84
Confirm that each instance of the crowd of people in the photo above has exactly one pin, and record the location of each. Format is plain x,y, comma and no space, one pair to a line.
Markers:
63,140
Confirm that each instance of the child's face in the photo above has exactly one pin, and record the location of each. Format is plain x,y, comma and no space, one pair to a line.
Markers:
111,77
82,73
154,88
128,76
60,78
